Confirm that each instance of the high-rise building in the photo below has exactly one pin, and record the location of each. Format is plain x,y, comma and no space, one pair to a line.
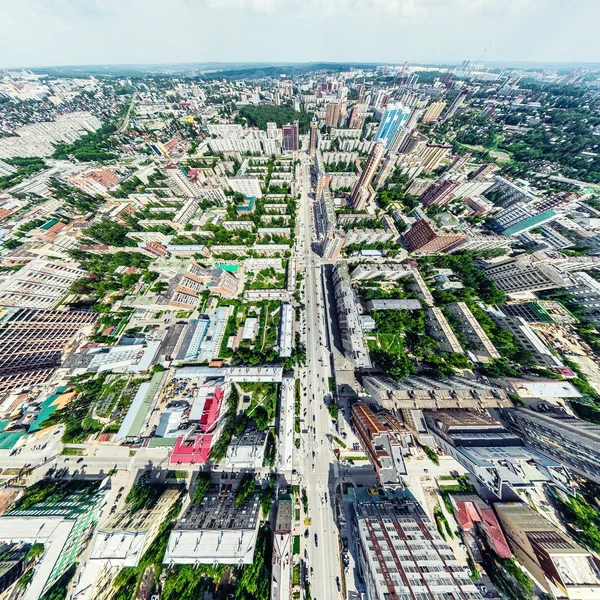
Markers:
433,155
402,554
438,193
361,93
393,120
433,111
405,132
559,565
362,189
526,274
354,119
422,238
571,441
333,114
314,136
458,101
32,342
290,136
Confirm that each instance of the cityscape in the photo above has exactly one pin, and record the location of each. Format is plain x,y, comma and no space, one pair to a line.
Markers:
300,331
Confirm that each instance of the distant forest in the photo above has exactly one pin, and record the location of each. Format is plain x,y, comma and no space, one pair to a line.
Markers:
260,115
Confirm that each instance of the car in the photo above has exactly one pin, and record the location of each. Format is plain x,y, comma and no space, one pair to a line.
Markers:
306,533
316,541
80,460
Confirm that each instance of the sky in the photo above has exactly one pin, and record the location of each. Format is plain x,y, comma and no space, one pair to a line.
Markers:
92,32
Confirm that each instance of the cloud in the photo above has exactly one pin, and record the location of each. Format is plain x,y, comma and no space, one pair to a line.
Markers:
39,32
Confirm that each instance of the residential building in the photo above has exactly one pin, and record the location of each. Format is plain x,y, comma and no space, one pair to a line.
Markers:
510,193
313,140
416,393
530,273
39,284
290,136
555,433
333,114
386,442
122,542
432,156
63,522
586,293
283,548
456,104
528,340
393,120
495,456
32,342
286,330
433,112
228,532
196,279
481,347
439,329
559,565
402,555
362,190
353,340
422,238
439,193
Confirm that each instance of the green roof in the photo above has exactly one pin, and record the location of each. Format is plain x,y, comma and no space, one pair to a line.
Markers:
232,268
49,224
47,407
9,439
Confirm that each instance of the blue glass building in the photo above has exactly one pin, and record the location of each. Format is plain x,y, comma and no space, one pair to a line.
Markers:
393,120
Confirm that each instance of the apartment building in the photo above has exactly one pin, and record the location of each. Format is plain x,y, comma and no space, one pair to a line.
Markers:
551,431
439,329
386,442
586,293
39,284
528,340
432,156
363,191
121,542
402,555
559,565
528,273
32,341
433,111
351,330
480,345
422,238
196,279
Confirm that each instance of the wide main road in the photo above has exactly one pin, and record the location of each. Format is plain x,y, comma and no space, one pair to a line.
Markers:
317,459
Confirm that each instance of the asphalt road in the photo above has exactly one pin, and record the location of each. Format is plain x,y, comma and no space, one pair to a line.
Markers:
316,451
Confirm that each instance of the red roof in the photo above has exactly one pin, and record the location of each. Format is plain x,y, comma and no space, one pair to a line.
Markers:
212,408
470,512
190,452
